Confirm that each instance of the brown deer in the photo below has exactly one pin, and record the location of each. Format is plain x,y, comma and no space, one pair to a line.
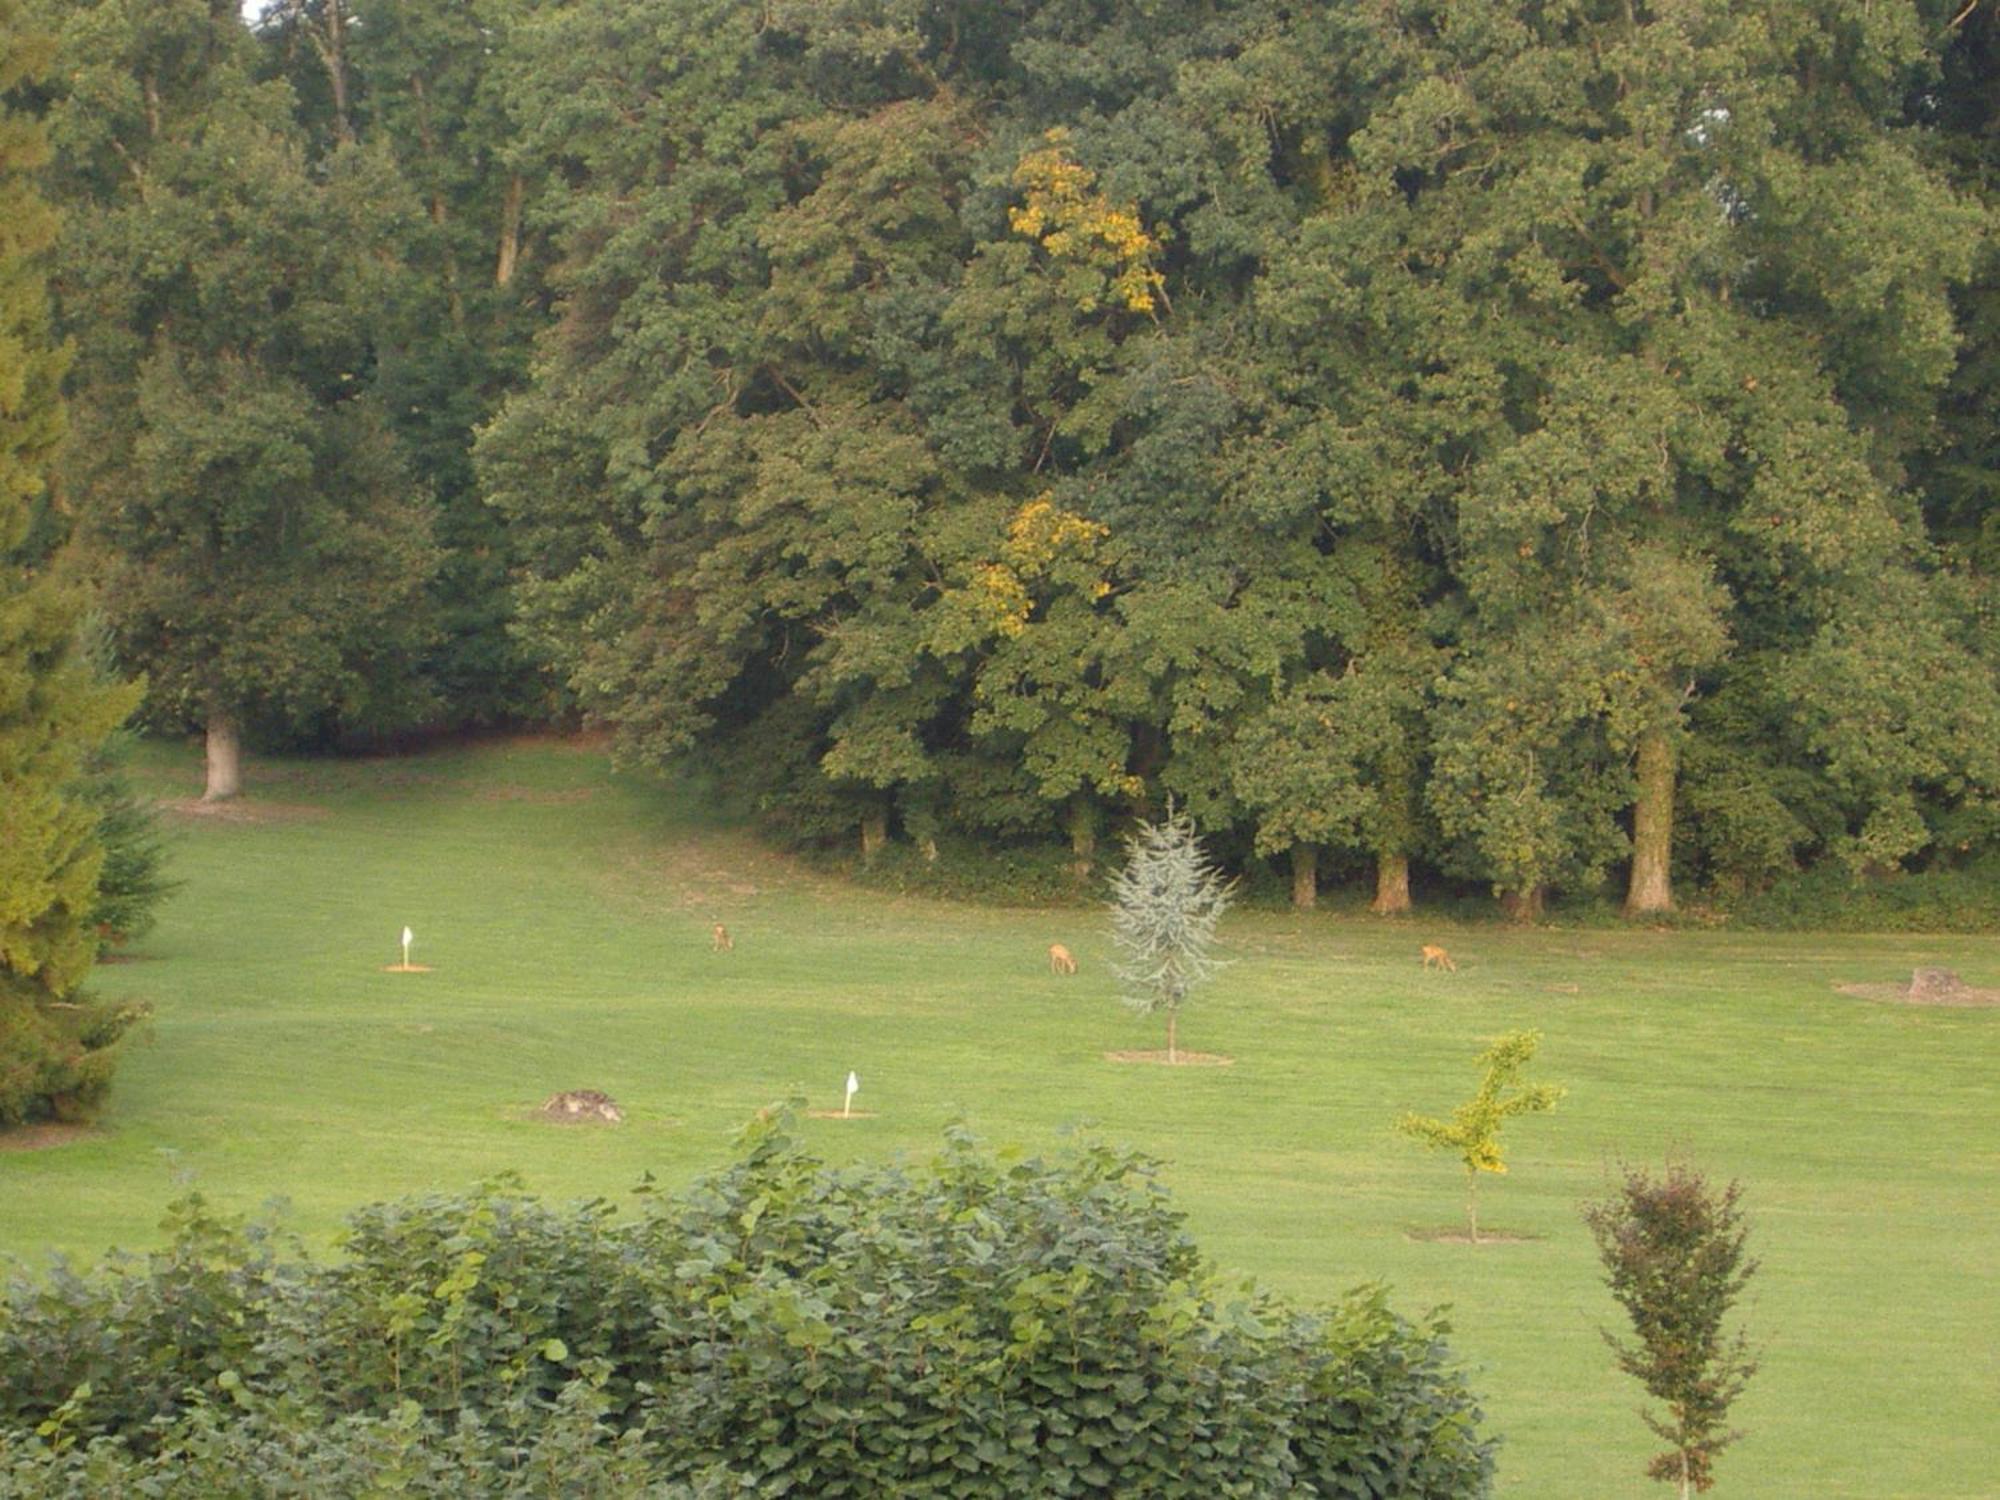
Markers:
722,942
1061,960
1436,955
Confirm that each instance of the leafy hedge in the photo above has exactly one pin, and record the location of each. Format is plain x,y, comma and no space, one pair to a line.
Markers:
985,1326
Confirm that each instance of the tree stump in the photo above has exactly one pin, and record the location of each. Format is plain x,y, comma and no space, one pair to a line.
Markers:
578,1106
1935,985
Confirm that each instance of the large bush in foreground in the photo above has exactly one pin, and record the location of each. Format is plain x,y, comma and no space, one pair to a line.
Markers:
983,1326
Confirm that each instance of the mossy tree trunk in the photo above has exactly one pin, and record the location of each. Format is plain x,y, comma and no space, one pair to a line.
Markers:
223,756
1651,889
1080,817
1305,876
1392,885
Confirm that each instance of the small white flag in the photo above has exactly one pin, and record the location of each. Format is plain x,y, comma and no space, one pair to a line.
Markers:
853,1088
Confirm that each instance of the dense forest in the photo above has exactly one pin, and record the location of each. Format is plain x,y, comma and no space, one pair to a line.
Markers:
1548,448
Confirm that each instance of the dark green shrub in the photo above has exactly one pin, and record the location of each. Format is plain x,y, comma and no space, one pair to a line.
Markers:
56,1057
980,1327
133,882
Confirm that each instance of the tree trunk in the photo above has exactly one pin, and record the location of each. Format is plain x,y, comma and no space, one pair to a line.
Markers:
427,138
1653,828
510,233
1305,876
874,834
332,45
1472,1204
1081,818
1524,906
1392,885
1173,1021
224,756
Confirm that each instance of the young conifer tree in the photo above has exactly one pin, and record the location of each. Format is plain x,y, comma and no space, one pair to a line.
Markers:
1165,904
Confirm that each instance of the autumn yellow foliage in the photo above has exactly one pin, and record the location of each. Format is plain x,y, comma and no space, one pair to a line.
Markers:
1063,212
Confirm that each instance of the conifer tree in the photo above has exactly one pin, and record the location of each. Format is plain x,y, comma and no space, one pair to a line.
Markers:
54,1054
1165,904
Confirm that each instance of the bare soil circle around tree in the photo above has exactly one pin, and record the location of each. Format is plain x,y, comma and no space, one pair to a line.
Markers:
1939,987
834,1114
1181,1058
1456,1235
406,968
235,810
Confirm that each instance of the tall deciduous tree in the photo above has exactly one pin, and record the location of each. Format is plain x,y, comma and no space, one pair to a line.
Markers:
263,549
53,710
425,84
1684,373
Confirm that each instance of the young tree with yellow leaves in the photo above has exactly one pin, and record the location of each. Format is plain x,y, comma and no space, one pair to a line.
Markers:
1473,1131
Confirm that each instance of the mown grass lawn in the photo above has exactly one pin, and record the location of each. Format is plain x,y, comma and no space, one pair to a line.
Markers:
565,913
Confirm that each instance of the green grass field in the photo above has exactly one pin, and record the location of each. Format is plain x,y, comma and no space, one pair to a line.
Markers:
565,912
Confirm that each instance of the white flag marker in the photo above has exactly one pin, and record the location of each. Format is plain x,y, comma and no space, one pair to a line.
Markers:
407,938
853,1088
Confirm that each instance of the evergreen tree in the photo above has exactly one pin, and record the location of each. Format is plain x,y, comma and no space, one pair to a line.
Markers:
1166,902
54,1051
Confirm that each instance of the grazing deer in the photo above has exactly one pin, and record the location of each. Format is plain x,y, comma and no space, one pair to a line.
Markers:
1061,960
1436,955
722,942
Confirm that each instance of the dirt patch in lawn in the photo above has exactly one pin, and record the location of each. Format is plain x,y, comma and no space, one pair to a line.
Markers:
834,1114
536,796
238,811
1927,987
713,874
1180,1059
45,1136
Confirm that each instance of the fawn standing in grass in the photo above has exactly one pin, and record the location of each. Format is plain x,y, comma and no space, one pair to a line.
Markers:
1061,960
722,942
1436,955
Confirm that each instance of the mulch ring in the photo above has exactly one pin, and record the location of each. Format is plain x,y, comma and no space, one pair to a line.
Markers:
834,1114
580,1107
1927,987
1456,1235
1182,1058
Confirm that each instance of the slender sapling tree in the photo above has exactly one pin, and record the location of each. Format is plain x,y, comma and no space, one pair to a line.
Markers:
1672,1248
1165,904
1473,1131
